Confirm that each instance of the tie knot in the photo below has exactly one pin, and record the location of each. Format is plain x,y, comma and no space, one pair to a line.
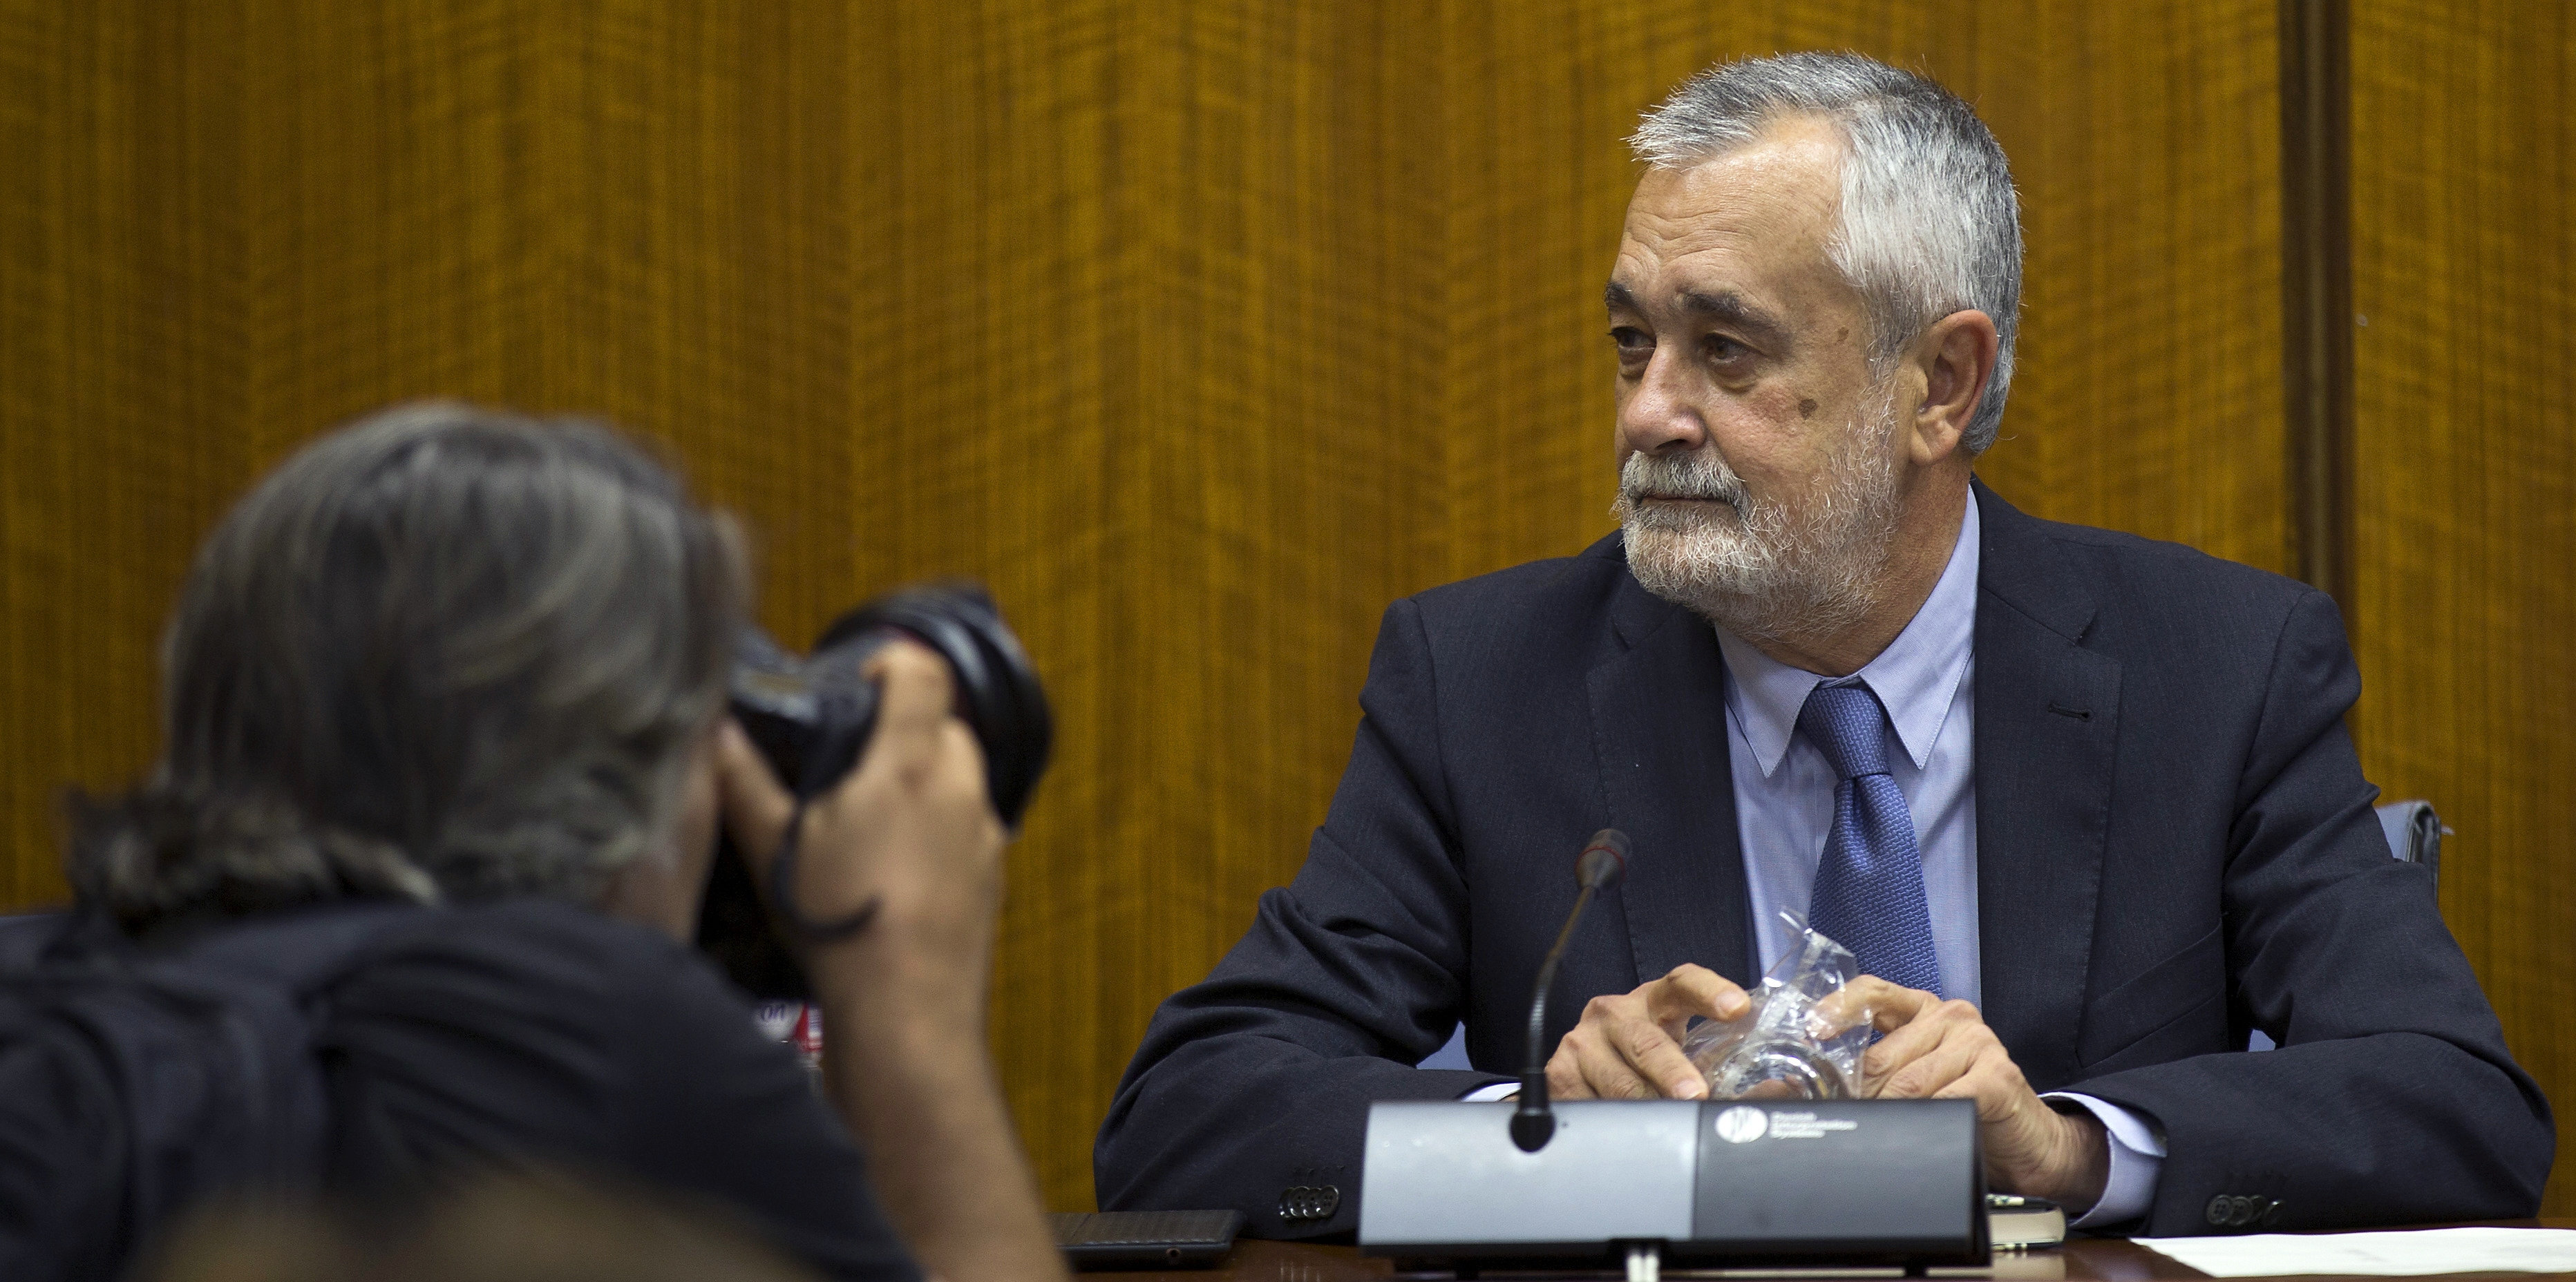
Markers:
1846,723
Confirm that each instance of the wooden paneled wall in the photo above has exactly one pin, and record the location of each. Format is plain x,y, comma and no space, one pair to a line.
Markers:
2464,462
1201,331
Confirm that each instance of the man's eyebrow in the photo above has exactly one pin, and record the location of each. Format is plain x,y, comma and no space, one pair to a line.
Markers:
1724,305
1728,306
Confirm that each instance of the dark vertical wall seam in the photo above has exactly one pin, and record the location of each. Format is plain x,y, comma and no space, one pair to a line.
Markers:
2316,288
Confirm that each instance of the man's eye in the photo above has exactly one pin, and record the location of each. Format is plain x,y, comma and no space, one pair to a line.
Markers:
1633,343
1723,350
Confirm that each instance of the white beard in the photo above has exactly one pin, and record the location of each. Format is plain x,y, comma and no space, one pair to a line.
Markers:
1759,567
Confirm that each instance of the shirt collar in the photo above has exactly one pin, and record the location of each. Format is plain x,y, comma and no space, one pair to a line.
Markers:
1917,676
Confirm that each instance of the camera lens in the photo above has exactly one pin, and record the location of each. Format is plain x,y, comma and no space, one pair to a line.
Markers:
997,690
812,720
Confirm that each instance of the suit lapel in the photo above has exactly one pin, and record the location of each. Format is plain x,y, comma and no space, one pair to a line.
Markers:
1659,731
2047,718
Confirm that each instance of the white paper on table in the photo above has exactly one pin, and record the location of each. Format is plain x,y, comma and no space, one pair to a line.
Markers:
2408,1254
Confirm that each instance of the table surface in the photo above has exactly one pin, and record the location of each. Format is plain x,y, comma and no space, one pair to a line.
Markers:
2081,1260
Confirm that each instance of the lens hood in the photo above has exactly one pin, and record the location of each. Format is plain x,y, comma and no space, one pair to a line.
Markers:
997,689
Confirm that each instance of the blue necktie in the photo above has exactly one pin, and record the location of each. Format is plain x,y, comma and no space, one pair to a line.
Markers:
1869,886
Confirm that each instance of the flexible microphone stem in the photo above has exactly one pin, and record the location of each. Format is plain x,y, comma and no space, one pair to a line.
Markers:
1599,866
1534,1123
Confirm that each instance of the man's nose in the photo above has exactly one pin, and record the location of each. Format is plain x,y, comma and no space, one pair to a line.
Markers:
1660,416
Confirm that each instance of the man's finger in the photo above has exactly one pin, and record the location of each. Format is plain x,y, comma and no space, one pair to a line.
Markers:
1565,1074
1931,1072
1931,1026
1598,1060
1608,1075
915,695
755,806
1869,998
1657,1058
1900,1048
1695,990
1990,1081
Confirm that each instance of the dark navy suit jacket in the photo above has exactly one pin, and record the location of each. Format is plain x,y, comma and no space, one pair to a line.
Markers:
2175,845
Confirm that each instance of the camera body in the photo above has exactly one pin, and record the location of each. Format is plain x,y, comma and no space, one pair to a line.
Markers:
812,719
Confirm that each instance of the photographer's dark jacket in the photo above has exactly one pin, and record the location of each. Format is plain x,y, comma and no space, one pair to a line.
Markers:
440,1042
539,1031
2175,846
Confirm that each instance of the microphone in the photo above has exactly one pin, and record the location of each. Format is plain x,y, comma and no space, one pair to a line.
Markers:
1597,869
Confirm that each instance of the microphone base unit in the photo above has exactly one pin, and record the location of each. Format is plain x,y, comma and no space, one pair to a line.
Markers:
1657,1184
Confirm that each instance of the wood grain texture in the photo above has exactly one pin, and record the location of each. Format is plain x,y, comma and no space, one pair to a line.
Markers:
2316,285
2464,280
1200,331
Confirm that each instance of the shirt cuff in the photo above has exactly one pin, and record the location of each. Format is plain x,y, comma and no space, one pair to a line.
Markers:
2137,1158
1489,1092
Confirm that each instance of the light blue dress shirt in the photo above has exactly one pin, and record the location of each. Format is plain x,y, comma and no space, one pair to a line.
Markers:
1784,806
1784,790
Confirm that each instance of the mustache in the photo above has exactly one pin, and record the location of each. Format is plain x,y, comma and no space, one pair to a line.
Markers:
1681,476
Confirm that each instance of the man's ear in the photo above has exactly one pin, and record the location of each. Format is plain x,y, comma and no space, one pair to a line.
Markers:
1956,357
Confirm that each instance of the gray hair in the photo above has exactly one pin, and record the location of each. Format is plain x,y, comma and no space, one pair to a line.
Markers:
1929,225
442,653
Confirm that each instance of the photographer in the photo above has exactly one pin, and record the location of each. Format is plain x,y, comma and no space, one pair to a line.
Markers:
476,664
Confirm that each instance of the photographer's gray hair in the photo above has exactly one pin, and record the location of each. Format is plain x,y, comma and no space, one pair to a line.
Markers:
1930,224
442,653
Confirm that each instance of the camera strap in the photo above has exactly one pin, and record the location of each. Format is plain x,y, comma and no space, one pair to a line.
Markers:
782,893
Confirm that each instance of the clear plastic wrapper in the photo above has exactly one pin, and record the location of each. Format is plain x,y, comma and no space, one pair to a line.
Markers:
1794,1043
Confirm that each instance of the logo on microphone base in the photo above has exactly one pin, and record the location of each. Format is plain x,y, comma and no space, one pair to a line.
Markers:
1742,1124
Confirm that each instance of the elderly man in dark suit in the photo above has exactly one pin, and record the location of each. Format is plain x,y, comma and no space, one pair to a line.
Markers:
2082,804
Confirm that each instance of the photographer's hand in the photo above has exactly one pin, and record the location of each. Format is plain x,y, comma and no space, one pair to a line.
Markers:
904,999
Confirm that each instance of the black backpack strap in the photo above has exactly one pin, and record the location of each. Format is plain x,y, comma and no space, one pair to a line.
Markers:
146,1077
24,937
299,951
261,977
28,940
